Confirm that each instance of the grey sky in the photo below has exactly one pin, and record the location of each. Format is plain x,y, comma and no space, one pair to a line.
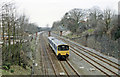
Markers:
45,12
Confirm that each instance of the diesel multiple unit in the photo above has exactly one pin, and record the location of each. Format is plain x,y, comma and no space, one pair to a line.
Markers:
60,48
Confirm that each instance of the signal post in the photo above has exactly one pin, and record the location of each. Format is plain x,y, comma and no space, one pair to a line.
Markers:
60,33
49,33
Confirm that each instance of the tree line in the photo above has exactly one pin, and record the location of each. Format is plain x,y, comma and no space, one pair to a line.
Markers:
14,30
100,21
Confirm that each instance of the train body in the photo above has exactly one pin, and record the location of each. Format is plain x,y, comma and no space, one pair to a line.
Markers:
60,48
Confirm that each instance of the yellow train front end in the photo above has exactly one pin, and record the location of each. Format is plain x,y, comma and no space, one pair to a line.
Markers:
62,51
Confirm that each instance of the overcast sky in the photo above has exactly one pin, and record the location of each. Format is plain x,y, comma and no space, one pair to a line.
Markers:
44,12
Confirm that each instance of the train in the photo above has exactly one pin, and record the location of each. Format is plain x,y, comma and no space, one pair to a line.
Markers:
60,48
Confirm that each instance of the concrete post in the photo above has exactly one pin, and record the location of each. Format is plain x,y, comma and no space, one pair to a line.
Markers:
49,33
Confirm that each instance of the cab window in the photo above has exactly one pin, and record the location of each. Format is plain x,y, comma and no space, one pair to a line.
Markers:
63,47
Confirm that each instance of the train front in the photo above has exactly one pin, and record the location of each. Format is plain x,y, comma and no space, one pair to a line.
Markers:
62,51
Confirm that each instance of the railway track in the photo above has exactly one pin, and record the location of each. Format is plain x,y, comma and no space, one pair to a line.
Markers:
72,67
44,68
104,60
69,69
47,58
107,61
55,71
41,58
93,57
66,65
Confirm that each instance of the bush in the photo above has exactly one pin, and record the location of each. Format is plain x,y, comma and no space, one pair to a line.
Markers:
11,71
8,65
5,67
91,30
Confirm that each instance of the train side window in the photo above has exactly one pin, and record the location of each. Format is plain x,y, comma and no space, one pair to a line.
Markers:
55,47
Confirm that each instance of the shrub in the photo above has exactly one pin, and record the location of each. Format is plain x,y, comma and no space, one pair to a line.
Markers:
5,67
12,71
91,30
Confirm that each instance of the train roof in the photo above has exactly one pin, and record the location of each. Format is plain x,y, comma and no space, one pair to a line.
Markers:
56,41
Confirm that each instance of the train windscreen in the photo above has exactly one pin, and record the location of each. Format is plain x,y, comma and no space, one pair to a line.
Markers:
63,47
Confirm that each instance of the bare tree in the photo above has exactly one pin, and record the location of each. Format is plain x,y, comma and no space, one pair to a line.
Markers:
8,10
72,19
95,15
107,18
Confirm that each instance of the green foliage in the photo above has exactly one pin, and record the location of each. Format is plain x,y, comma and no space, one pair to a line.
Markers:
5,67
88,32
16,70
12,71
70,35
91,30
14,50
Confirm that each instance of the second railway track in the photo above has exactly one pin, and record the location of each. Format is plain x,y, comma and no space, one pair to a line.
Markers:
104,60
